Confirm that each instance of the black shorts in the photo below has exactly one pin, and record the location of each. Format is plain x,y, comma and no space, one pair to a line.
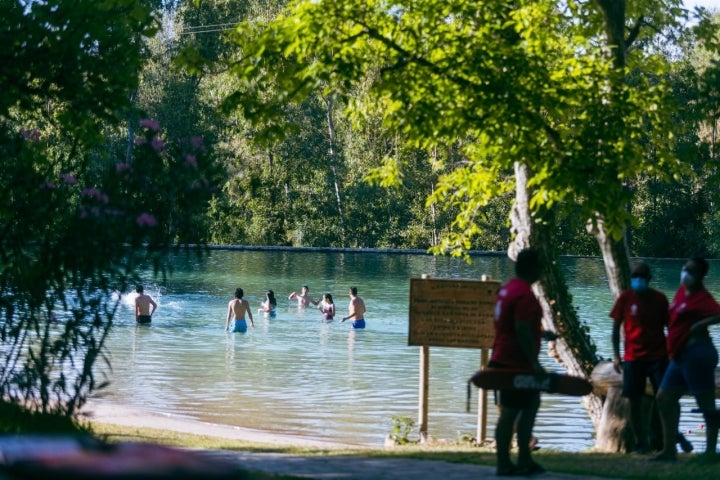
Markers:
144,319
637,372
514,398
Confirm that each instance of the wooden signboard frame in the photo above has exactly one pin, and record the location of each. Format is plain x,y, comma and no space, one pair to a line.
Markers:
451,313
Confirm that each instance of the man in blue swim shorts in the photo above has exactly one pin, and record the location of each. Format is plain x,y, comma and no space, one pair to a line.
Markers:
237,308
356,309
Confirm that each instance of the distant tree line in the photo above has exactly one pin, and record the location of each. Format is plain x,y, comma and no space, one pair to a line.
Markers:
315,178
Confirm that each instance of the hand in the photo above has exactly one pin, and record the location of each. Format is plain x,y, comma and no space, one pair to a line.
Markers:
549,336
617,365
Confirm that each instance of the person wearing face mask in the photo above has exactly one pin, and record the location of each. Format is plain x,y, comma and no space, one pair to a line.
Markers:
693,358
642,313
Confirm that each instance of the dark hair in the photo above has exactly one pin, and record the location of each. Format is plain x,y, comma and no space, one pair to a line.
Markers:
329,297
239,293
527,263
139,289
353,290
702,264
271,298
641,269
306,287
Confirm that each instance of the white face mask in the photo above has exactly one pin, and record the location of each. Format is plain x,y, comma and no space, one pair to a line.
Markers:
686,278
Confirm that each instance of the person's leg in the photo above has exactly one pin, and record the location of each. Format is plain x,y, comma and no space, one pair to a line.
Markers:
668,408
706,403
525,424
637,425
635,376
700,374
503,438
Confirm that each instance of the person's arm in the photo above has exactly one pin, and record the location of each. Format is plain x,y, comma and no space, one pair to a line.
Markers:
352,312
227,321
249,312
292,296
154,306
137,309
704,323
527,345
616,347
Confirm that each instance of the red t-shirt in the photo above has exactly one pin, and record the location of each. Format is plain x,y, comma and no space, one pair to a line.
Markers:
644,318
685,311
516,302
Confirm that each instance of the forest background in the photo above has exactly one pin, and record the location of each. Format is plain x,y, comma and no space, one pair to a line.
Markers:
156,125
320,184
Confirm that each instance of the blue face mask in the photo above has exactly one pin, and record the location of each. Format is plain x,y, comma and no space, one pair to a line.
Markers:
686,278
639,284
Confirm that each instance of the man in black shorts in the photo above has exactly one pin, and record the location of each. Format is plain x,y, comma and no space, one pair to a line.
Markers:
145,306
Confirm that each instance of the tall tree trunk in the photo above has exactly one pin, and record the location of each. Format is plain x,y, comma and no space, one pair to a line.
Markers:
613,437
333,162
574,349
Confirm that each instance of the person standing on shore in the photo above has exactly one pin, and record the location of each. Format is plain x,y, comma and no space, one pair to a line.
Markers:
356,309
145,306
693,358
303,298
237,308
518,331
643,314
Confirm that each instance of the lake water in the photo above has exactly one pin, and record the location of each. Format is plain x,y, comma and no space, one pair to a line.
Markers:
298,375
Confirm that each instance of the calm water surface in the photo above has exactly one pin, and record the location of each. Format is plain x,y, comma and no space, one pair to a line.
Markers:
295,374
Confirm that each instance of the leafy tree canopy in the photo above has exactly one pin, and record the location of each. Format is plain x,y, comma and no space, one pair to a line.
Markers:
527,81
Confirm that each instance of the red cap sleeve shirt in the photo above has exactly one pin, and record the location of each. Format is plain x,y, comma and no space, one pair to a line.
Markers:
685,311
644,318
516,302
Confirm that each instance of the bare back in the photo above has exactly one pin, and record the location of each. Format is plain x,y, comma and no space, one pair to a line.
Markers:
357,308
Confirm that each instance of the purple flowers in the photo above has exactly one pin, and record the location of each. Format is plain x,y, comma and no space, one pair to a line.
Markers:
96,194
158,143
146,220
151,125
68,178
191,160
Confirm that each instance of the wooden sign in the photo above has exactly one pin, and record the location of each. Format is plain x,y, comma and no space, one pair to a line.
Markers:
452,312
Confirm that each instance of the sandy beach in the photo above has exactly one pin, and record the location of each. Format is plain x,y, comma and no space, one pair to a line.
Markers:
105,412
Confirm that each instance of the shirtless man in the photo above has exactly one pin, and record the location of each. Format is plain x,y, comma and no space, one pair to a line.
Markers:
143,312
237,309
303,298
356,309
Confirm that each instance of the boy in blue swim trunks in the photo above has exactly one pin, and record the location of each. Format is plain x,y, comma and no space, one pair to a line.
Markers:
356,309
237,308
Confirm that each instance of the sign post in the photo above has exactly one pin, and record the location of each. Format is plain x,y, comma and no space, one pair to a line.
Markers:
451,313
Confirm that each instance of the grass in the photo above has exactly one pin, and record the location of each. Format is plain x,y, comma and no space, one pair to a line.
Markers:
631,466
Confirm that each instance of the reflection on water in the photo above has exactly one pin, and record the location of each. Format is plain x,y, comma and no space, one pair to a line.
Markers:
297,374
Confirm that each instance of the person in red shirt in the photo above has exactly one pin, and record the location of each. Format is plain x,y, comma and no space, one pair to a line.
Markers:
518,316
642,312
693,358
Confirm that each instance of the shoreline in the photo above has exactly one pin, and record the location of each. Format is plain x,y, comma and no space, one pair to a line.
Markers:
100,411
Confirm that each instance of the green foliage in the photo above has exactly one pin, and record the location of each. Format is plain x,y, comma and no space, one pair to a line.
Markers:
80,219
482,72
402,427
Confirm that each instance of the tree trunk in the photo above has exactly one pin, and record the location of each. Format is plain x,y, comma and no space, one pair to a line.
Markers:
333,163
574,350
